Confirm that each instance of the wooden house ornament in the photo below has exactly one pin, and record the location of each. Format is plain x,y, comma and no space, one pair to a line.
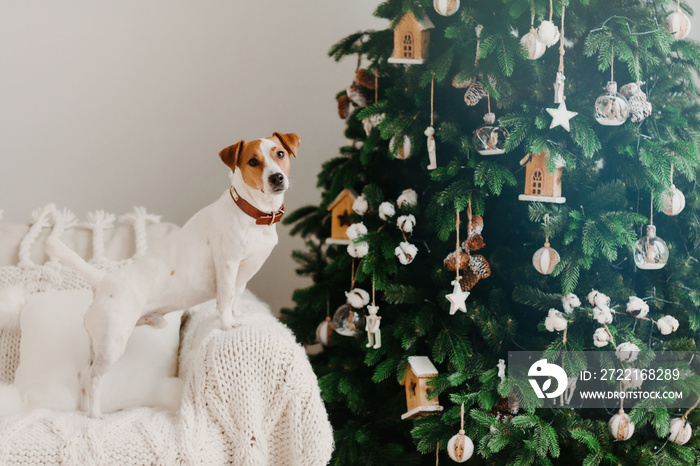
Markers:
418,372
541,184
411,40
341,209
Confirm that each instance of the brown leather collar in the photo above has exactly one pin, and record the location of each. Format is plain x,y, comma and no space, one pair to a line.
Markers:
261,218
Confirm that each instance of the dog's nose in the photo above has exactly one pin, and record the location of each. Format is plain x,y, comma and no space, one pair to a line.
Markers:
276,179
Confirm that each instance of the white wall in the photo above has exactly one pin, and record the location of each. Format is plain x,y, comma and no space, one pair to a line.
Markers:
114,104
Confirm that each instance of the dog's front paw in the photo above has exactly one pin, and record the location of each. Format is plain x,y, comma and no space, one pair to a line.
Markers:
228,321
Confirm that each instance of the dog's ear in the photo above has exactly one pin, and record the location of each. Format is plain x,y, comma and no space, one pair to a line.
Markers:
290,141
230,154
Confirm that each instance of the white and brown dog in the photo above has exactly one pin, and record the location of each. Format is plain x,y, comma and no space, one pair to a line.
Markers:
213,255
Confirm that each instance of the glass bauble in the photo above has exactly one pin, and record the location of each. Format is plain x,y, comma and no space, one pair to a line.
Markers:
348,321
650,251
611,108
489,138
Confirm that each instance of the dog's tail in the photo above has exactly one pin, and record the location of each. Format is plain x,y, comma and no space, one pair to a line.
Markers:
54,247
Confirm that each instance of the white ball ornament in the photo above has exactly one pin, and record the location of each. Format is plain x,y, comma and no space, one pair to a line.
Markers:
548,33
678,24
460,447
621,427
680,431
545,259
402,152
535,49
324,332
446,7
674,202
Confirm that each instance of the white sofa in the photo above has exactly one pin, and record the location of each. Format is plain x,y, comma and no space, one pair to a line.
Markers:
250,396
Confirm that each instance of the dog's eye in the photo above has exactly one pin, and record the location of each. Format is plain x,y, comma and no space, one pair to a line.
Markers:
253,162
280,155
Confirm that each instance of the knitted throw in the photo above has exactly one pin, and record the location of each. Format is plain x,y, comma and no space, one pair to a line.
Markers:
250,397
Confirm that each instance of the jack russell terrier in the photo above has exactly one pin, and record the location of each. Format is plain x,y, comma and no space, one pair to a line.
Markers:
213,255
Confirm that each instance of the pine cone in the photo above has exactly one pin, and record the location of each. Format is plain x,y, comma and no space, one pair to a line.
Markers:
343,106
356,96
473,243
475,92
477,225
479,266
453,261
365,78
468,281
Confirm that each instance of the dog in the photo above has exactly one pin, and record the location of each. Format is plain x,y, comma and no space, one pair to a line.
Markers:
213,255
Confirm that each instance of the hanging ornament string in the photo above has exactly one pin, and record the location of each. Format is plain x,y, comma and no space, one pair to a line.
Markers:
672,175
457,224
651,210
546,234
488,103
612,63
478,30
432,99
551,9
373,280
376,87
561,38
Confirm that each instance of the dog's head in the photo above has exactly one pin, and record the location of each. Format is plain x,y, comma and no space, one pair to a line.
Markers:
263,163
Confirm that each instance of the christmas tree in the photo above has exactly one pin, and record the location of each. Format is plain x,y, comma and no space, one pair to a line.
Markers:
481,135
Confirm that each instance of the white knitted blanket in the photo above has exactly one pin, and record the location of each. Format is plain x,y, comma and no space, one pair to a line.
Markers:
250,398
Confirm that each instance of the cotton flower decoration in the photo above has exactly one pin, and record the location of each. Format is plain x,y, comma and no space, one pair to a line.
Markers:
570,302
408,198
555,321
356,230
601,337
357,298
360,206
406,252
386,210
633,379
358,250
667,325
637,307
603,315
406,223
598,299
627,352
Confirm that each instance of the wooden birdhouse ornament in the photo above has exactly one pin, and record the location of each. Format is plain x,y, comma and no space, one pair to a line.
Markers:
541,184
340,209
411,40
418,372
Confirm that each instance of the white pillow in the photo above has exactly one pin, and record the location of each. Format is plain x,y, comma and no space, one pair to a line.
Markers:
54,347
